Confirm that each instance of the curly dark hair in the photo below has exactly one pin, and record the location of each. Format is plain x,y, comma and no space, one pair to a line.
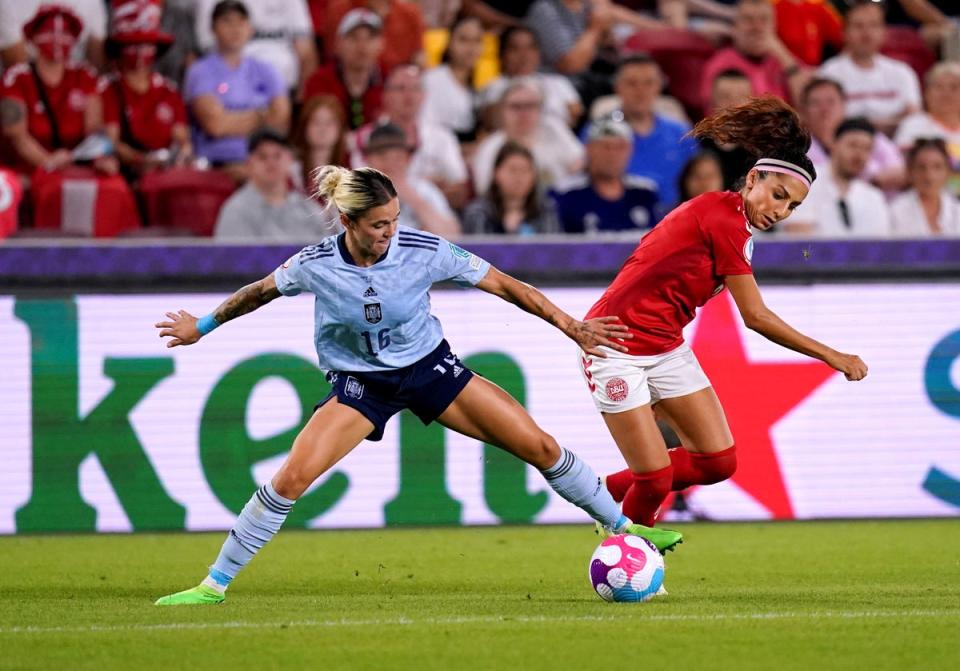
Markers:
766,127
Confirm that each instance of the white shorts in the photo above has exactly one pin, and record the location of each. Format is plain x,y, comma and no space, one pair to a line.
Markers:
623,382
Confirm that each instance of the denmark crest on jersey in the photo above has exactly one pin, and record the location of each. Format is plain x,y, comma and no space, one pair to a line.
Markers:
372,313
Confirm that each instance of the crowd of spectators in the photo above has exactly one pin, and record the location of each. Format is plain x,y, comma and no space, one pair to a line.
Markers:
208,117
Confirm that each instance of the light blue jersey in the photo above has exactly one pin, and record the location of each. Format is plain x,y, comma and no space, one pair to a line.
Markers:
378,317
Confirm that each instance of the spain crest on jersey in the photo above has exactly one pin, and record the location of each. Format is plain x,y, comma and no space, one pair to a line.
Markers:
372,313
353,387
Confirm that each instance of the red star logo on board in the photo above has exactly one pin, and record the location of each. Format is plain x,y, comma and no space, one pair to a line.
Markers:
755,396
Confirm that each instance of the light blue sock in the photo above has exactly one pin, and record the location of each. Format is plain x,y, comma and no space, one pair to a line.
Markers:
259,520
574,480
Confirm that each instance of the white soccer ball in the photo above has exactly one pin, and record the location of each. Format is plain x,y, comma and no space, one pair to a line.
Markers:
626,568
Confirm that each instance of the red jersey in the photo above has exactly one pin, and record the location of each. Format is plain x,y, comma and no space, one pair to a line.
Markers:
678,267
150,116
327,80
68,101
805,26
403,29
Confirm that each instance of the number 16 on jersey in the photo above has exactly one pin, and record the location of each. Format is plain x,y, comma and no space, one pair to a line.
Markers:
383,341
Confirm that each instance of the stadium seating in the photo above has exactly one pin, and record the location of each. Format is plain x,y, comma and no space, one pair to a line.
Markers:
185,200
77,201
905,44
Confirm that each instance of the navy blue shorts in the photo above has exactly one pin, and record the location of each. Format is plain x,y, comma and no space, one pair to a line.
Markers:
426,388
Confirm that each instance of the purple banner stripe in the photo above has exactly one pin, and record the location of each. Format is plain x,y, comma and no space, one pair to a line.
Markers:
22,264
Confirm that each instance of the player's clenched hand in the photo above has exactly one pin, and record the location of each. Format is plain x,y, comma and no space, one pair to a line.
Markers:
182,328
600,332
849,364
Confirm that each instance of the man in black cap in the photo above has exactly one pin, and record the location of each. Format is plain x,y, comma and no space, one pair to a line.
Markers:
422,204
266,209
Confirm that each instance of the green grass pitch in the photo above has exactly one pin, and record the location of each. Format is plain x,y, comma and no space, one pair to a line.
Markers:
826,595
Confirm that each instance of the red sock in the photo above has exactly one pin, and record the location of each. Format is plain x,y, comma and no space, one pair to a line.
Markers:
689,468
618,483
693,468
642,501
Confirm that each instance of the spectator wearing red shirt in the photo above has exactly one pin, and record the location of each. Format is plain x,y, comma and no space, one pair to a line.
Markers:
758,53
354,77
143,113
48,107
807,27
403,28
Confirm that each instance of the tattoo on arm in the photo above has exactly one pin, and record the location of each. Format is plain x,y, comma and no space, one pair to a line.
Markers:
247,299
532,300
540,304
11,112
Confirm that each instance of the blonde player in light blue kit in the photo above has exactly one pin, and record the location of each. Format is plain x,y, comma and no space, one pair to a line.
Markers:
383,352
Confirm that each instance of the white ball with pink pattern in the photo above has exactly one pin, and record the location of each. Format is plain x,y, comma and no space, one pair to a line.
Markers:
626,568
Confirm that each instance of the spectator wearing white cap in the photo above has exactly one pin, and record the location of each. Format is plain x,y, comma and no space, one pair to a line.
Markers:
403,28
557,150
282,36
605,199
661,146
354,77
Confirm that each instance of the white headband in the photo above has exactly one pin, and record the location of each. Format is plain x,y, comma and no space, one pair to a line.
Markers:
785,167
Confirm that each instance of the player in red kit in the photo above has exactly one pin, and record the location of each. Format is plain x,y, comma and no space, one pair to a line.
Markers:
702,247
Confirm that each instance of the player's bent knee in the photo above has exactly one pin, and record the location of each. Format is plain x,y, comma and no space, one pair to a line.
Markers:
541,451
717,466
291,483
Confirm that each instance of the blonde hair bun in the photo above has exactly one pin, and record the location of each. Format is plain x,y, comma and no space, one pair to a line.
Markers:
352,192
327,178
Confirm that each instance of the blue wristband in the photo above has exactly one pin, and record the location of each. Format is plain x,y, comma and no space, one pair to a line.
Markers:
207,324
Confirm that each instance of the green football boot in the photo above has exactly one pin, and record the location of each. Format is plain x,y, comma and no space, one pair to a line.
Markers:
201,595
664,539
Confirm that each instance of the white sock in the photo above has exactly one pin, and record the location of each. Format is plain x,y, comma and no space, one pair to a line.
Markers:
258,522
574,480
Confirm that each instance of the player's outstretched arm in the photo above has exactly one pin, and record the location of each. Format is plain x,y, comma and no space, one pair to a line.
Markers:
590,334
185,329
758,317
